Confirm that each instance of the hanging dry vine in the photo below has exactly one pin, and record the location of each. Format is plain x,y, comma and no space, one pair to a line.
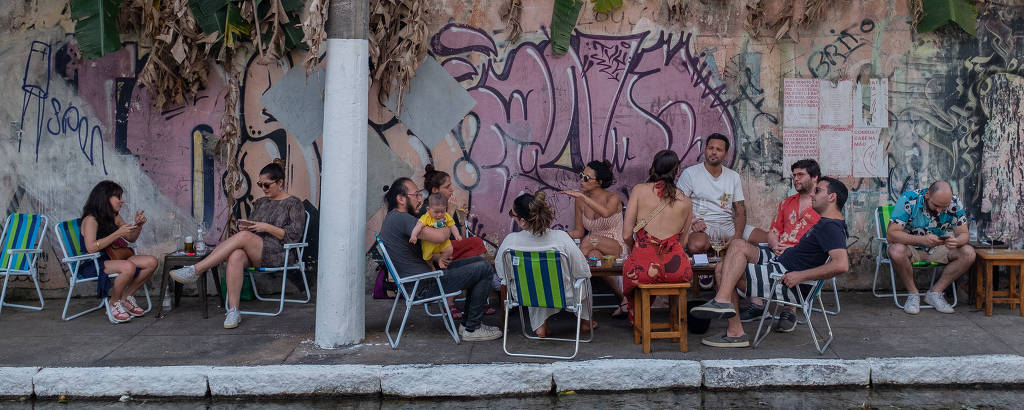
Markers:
398,43
511,12
794,15
314,33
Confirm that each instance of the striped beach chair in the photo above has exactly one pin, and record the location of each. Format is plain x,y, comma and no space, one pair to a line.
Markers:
804,301
69,235
20,246
536,281
882,216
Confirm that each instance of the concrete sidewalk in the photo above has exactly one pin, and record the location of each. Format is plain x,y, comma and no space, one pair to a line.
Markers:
867,327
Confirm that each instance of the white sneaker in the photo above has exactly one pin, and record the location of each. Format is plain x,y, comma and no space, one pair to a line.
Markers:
116,313
936,300
232,318
482,333
913,305
185,274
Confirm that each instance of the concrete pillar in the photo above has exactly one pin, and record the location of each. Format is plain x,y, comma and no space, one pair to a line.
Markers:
340,310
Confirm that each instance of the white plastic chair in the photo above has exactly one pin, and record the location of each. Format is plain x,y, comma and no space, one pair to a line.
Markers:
537,280
411,298
806,305
69,235
298,265
20,246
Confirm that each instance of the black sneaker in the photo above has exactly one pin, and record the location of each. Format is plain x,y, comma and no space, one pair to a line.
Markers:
713,310
786,322
751,313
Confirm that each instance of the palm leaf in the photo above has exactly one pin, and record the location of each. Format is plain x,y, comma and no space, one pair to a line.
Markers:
96,26
938,13
234,25
563,21
209,14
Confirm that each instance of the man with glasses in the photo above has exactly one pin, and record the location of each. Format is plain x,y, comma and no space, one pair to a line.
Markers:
474,274
820,254
929,225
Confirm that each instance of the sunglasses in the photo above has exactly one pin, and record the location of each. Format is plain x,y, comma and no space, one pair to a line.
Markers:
511,214
585,177
265,185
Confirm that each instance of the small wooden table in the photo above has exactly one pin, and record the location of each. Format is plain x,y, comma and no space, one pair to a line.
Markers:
176,259
986,260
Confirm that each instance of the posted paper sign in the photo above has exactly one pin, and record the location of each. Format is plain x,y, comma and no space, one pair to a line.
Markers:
797,144
876,106
800,102
836,107
867,153
836,159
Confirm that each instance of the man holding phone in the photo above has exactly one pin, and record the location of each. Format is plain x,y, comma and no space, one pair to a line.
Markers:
929,225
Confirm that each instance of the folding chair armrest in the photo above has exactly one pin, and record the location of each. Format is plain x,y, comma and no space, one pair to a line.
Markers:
295,245
579,283
25,251
93,255
424,275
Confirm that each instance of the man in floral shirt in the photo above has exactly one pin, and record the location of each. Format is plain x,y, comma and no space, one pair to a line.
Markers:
929,225
793,218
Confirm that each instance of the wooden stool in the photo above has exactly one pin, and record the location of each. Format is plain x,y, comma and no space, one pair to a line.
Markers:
643,329
985,294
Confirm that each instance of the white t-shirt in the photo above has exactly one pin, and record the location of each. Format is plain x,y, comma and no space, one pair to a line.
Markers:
714,195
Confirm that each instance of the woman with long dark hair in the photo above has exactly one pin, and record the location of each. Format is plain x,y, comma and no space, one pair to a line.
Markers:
533,215
599,211
103,228
660,217
276,219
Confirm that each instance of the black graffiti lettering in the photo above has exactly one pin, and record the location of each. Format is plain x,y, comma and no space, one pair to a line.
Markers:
867,26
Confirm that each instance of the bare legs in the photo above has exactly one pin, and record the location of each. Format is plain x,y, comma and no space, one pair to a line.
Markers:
730,275
127,283
960,260
241,250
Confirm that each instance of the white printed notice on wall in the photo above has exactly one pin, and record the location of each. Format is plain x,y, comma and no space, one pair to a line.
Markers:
871,106
867,153
838,124
797,144
800,102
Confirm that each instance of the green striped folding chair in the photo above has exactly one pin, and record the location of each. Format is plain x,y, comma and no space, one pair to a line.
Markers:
882,217
20,246
535,280
69,235
293,251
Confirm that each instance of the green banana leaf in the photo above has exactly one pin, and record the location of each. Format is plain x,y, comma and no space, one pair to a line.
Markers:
938,13
96,26
563,21
604,6
220,16
234,25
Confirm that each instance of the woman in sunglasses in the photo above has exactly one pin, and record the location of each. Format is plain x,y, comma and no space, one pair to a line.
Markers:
276,218
599,211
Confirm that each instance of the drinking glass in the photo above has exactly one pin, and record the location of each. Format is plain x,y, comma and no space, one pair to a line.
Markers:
992,235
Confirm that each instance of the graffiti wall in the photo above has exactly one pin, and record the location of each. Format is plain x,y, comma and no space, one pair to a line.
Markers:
640,79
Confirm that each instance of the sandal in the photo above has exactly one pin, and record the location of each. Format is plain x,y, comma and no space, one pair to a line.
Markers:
456,313
132,308
622,312
116,313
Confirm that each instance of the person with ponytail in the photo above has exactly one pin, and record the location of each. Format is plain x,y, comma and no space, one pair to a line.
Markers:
599,211
532,214
660,217
103,229
276,218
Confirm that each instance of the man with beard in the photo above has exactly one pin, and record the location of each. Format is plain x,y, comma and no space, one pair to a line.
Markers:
929,225
474,274
751,267
795,216
717,196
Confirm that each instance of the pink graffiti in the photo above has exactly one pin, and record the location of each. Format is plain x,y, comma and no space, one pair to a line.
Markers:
540,118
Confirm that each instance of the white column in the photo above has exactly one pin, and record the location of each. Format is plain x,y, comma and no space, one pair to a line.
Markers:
340,295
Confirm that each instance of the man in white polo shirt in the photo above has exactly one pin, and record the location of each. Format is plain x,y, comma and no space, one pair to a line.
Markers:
717,196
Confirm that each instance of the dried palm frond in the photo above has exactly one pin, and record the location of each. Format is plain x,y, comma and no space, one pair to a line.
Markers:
314,32
511,12
177,65
916,11
139,16
398,43
794,15
228,145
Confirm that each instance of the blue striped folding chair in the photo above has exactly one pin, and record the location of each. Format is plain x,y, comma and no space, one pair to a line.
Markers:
20,246
536,281
882,215
297,265
69,235
801,298
412,298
